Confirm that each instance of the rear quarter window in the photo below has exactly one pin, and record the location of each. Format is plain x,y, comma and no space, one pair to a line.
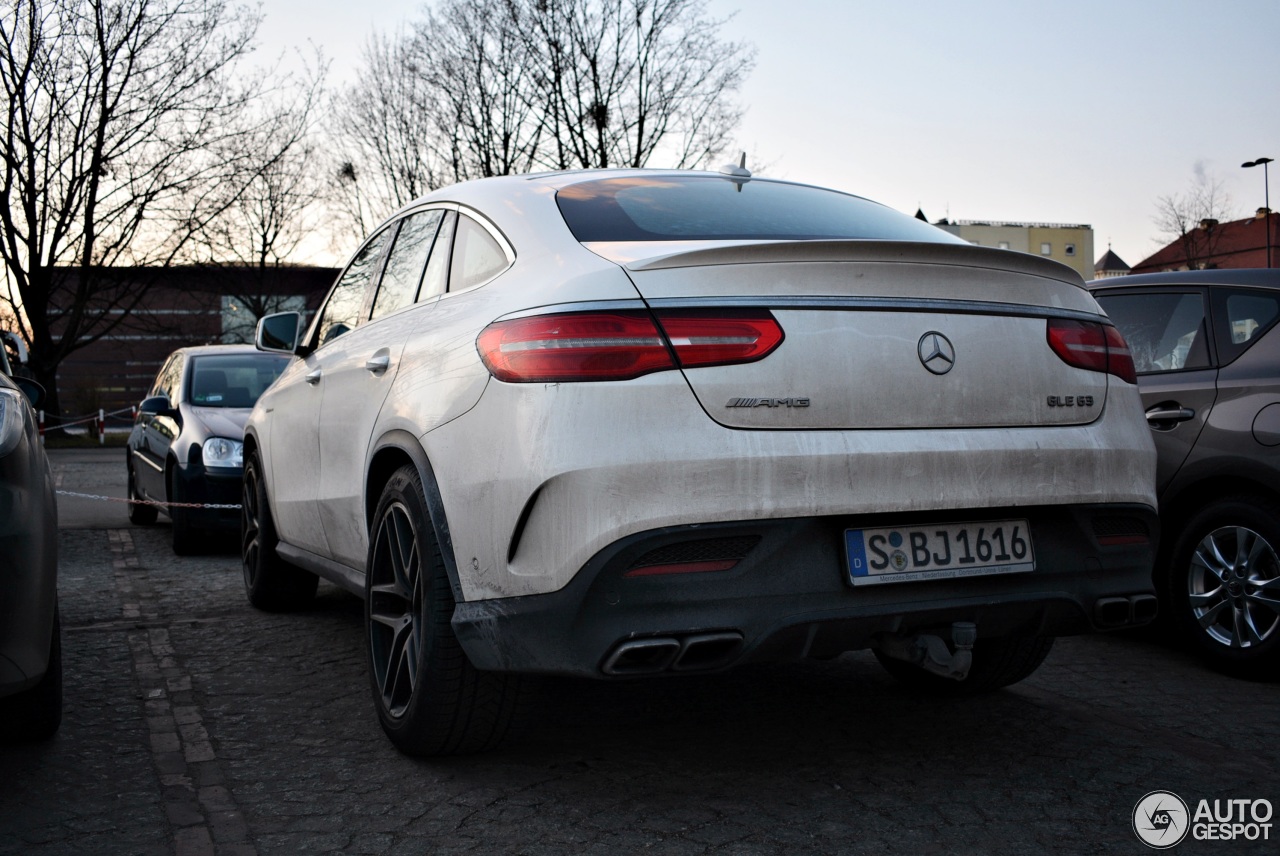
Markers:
477,257
1241,317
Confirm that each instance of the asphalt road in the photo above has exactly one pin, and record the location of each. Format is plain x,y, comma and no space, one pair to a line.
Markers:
197,725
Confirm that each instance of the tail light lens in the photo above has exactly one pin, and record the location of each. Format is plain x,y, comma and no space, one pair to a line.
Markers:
622,345
587,346
704,339
1096,347
1119,357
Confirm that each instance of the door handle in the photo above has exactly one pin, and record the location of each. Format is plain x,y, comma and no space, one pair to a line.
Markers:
313,378
1169,413
378,364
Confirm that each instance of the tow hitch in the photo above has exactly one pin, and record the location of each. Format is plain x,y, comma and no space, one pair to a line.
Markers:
932,653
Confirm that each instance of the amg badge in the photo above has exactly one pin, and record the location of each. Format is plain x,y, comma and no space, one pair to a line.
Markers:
768,402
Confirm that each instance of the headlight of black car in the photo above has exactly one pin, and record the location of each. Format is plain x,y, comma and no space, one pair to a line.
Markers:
221,452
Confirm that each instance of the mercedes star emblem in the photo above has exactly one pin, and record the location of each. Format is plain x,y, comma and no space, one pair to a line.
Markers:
936,352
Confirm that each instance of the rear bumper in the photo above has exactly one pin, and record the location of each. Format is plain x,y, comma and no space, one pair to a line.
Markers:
540,478
787,597
198,484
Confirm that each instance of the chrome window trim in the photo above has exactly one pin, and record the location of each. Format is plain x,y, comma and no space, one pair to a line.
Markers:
398,222
494,232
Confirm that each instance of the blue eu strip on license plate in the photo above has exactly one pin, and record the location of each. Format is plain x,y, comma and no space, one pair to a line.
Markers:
937,552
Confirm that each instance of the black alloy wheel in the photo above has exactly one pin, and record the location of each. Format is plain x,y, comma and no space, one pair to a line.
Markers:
270,583
430,699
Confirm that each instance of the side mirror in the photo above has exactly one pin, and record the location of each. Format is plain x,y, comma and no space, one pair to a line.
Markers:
279,333
33,391
156,405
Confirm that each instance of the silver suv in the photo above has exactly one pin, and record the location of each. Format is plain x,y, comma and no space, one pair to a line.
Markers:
1206,347
634,423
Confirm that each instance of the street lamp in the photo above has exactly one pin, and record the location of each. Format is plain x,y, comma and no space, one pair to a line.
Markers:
1266,195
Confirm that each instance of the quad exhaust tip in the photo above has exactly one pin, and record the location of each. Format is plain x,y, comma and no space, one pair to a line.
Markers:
692,653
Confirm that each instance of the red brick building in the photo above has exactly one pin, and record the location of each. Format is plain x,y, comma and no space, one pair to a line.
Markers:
182,306
1238,244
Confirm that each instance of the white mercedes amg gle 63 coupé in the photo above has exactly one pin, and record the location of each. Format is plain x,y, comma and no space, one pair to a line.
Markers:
632,423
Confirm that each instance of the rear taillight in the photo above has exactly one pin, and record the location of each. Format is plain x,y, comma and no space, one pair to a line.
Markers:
1119,357
706,339
622,345
586,346
1092,346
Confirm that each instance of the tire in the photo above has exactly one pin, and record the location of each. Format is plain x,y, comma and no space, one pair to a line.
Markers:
141,515
187,540
998,662
271,583
430,699
1224,586
35,714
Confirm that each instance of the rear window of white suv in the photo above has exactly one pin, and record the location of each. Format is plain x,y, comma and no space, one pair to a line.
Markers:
709,208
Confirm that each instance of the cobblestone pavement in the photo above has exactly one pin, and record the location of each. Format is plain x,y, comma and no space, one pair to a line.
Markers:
197,725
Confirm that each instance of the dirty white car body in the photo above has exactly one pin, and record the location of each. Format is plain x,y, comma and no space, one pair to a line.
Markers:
718,507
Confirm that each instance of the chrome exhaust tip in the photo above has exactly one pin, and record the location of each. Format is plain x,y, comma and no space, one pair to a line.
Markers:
707,651
642,656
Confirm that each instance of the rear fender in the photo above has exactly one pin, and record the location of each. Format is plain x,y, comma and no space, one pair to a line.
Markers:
387,455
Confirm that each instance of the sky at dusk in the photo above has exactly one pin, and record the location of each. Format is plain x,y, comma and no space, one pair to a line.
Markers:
1084,112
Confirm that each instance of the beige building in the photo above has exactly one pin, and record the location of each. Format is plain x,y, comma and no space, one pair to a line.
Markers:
1071,244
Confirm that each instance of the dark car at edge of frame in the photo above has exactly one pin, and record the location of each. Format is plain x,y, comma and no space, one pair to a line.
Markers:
30,635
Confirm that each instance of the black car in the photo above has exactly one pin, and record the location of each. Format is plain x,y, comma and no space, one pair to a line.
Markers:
1206,345
30,640
185,449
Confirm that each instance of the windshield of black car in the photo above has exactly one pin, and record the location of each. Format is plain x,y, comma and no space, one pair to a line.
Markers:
710,208
232,380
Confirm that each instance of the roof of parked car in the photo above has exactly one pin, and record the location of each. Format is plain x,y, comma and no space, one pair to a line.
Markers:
207,350
1252,277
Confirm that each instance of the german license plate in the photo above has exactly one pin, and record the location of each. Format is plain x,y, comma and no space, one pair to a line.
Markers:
912,553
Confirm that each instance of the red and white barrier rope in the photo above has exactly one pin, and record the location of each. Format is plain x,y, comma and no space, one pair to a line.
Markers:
99,421
148,501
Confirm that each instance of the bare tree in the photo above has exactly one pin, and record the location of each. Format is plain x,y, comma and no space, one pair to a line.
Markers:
1191,219
625,80
493,87
118,144
384,129
474,59
272,212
